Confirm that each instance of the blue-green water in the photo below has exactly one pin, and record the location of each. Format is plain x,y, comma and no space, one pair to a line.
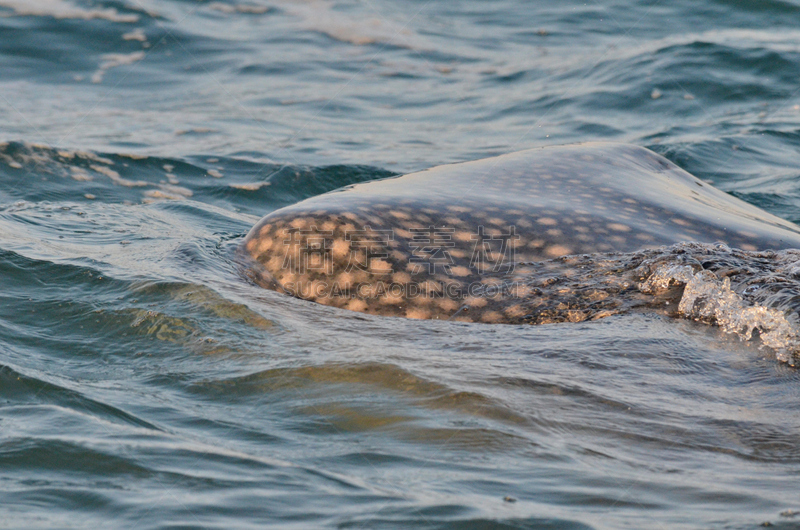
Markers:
145,383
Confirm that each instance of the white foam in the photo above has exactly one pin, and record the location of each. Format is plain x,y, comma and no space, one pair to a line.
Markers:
113,60
707,298
321,17
62,9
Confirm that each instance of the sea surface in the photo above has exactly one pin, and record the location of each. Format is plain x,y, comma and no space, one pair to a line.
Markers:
146,383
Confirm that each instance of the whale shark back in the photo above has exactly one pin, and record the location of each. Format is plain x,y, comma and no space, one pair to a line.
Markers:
416,245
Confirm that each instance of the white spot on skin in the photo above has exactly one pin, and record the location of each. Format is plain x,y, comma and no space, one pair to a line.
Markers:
515,311
447,304
417,313
460,271
491,317
379,266
274,264
463,236
340,249
265,244
398,214
475,301
401,278
556,251
357,305
345,280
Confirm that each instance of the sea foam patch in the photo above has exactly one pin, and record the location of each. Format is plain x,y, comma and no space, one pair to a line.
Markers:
64,10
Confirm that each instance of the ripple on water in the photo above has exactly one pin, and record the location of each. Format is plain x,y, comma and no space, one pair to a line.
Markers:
144,382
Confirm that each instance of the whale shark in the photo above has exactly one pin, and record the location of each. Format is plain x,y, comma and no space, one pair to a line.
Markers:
431,244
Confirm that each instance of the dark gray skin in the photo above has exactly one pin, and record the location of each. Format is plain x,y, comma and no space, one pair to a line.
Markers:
424,244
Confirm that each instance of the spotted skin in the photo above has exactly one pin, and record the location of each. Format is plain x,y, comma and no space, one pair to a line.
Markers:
426,245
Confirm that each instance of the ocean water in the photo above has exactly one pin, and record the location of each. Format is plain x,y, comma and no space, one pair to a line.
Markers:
146,383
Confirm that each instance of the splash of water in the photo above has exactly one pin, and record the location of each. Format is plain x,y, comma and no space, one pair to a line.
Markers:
746,293
709,298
